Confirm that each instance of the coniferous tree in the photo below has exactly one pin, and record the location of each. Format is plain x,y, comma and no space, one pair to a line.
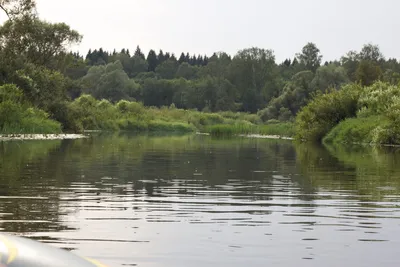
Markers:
181,58
161,57
89,55
173,57
287,62
200,60
167,56
205,60
152,60
139,53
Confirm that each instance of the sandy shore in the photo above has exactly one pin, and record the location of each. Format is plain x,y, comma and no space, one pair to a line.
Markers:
266,136
6,137
258,136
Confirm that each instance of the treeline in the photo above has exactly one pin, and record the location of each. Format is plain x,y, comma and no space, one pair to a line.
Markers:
250,81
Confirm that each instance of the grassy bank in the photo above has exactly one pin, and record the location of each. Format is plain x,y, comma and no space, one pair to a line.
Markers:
357,131
353,114
225,130
89,114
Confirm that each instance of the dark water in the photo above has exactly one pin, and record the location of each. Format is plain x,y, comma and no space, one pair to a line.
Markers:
195,201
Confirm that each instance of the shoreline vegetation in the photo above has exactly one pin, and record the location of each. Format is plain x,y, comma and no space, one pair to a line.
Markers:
354,99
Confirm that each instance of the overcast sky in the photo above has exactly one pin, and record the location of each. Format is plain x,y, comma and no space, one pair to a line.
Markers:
206,26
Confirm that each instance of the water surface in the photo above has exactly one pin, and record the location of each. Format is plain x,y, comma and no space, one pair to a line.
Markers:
198,201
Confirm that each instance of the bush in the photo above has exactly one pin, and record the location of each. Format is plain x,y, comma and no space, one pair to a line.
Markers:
18,116
357,130
325,111
378,98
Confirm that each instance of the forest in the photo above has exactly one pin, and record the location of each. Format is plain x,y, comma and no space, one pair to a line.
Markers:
46,88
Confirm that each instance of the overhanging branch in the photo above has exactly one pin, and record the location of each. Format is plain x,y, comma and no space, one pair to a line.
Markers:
5,11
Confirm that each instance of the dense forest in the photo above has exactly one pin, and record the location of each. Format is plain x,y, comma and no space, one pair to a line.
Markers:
42,80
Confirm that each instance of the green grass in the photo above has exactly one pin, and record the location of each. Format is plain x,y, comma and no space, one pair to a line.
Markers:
356,130
282,129
162,126
32,126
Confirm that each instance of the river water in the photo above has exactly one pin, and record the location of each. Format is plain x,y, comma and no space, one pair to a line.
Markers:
197,201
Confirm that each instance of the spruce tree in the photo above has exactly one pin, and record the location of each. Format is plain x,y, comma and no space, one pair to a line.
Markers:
181,58
161,57
139,53
152,60
167,56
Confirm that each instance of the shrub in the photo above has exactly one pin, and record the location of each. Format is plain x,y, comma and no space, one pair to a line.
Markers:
356,130
18,116
325,111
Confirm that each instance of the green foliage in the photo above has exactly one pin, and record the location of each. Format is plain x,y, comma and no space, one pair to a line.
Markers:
162,126
325,111
295,95
35,41
110,82
18,116
368,72
379,98
330,76
310,57
240,128
355,114
186,71
167,69
43,87
254,73
357,131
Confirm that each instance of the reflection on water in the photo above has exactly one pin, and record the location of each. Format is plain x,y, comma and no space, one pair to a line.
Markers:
197,201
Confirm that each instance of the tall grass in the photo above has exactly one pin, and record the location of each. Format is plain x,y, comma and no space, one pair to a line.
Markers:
91,114
226,130
356,130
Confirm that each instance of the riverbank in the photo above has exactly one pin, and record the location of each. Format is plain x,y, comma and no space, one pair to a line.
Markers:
9,137
354,114
89,114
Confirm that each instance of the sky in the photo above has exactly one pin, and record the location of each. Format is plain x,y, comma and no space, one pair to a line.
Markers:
207,26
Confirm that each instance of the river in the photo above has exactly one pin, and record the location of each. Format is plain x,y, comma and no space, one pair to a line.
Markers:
167,201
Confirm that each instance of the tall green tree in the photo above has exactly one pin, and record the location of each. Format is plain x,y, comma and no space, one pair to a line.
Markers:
254,73
167,69
110,82
17,8
161,57
34,41
310,57
186,71
328,77
139,53
371,52
152,60
368,72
